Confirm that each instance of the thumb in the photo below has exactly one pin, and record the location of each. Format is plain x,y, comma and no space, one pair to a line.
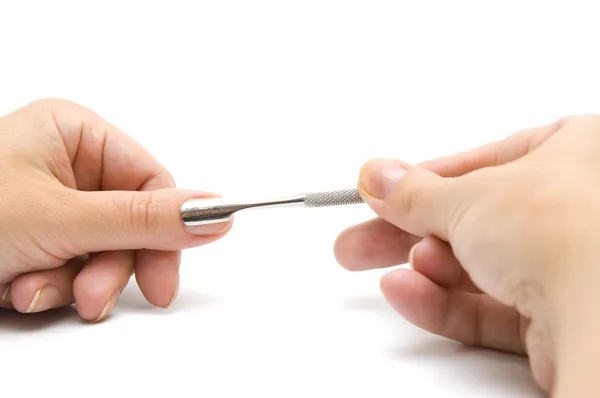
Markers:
412,198
122,220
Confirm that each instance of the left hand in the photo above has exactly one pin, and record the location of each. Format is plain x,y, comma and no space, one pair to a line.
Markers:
82,208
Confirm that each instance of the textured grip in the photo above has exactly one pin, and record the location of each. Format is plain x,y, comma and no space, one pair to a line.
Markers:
332,198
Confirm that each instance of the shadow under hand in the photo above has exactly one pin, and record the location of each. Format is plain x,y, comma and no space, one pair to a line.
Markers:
449,362
129,302
132,300
367,303
480,368
11,320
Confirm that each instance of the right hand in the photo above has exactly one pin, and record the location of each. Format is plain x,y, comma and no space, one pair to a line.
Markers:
503,242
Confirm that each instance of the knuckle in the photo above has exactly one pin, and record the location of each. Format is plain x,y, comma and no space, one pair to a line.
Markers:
408,202
43,111
409,194
590,120
162,179
170,178
49,103
565,120
478,338
144,213
573,119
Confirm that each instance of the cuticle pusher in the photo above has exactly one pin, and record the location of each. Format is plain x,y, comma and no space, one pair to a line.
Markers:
216,210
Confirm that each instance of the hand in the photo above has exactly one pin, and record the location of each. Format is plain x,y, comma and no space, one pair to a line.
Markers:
502,241
83,207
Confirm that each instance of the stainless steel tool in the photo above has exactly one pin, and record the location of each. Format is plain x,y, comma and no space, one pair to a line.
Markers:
215,210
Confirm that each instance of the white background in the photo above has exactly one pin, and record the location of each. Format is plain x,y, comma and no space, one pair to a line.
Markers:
262,98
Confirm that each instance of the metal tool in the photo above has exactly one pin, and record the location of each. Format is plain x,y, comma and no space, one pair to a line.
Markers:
215,210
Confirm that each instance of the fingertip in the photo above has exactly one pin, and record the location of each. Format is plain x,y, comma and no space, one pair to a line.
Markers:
343,250
413,296
436,261
408,197
196,235
371,245
91,297
354,250
394,280
157,275
208,232
174,296
397,287
41,291
108,307
378,178
99,285
25,291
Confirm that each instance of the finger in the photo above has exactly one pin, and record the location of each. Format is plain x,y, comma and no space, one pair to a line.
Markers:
435,260
414,199
99,284
157,274
497,153
119,220
358,248
473,319
378,244
373,244
44,290
107,159
539,347
102,156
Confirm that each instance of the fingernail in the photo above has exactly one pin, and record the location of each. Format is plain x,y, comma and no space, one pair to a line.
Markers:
174,296
216,226
110,304
44,299
6,296
379,177
411,257
208,229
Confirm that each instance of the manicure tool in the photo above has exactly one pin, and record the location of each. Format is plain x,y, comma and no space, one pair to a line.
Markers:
216,210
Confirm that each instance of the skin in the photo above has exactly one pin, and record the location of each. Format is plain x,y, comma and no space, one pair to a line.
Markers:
502,243
501,239
83,207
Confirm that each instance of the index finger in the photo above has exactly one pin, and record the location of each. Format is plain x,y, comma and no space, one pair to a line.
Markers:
103,157
497,153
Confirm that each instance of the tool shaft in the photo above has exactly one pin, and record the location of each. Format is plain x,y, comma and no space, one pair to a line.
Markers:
208,211
215,210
